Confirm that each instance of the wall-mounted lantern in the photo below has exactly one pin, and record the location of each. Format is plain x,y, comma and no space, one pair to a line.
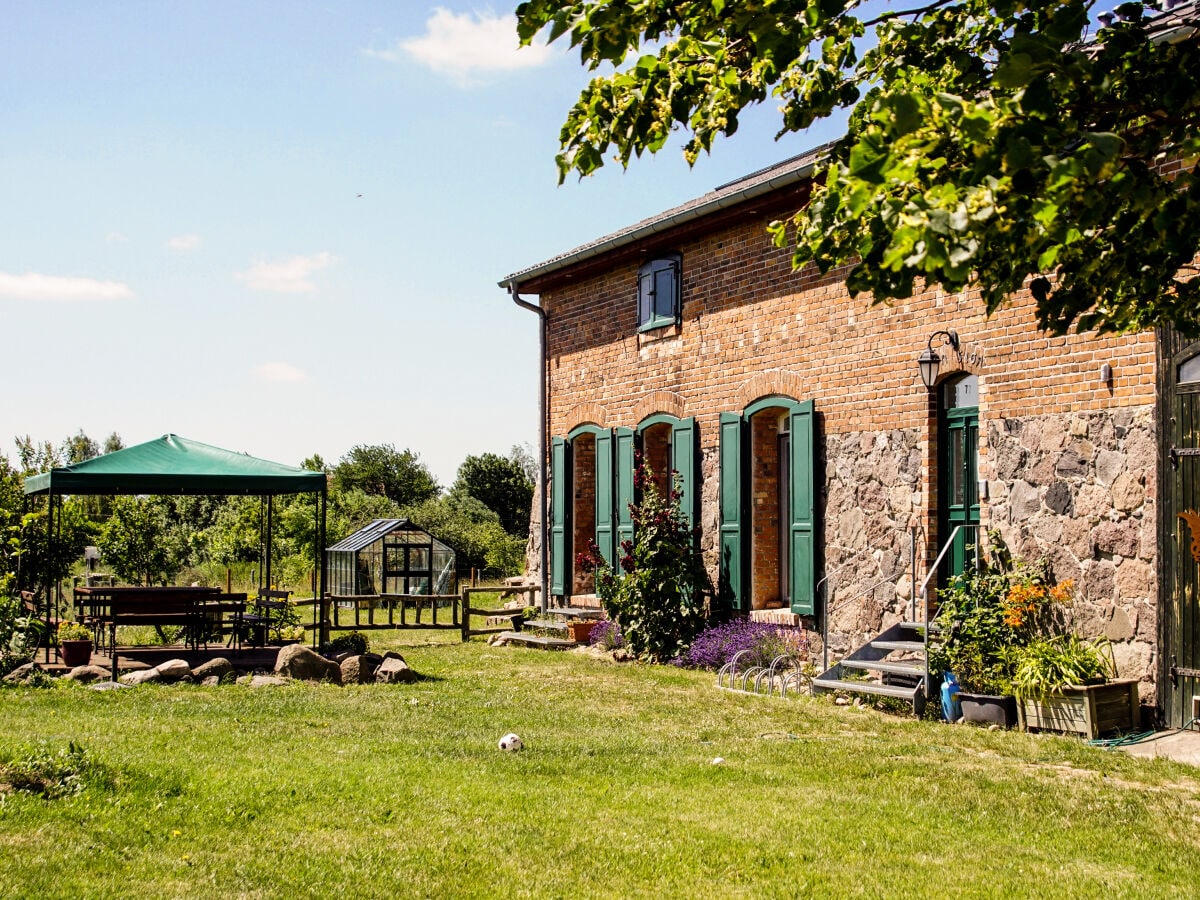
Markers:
930,362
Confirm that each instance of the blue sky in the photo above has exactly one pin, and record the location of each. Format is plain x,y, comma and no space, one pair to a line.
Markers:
278,227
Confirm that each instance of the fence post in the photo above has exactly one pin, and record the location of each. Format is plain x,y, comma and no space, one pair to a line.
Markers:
466,614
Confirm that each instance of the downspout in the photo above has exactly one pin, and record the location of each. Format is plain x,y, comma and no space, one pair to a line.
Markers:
543,519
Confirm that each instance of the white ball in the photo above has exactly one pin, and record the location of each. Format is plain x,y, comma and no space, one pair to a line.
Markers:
511,743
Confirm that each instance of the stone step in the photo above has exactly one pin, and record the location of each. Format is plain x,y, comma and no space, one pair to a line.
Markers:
576,612
536,640
547,625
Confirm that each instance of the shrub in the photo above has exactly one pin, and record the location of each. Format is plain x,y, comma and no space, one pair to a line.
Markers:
39,770
657,597
352,642
716,646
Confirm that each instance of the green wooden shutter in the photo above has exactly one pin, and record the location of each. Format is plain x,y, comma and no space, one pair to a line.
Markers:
605,527
802,531
732,588
683,461
623,464
558,516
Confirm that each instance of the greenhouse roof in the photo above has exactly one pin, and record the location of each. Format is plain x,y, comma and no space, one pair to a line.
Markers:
175,465
378,529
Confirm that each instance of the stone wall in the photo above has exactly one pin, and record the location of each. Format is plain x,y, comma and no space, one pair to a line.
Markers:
1080,490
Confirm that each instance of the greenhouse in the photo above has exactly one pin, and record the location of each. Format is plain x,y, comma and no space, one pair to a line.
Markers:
390,556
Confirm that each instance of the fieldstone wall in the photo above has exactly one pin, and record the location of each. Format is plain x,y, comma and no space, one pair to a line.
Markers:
1080,489
870,497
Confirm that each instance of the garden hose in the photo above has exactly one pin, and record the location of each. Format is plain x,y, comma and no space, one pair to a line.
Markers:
1122,741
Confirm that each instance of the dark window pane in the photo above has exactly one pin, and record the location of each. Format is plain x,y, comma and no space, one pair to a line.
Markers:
956,467
664,293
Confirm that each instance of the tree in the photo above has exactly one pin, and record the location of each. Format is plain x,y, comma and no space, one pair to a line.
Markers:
474,531
79,448
381,469
501,485
138,542
990,144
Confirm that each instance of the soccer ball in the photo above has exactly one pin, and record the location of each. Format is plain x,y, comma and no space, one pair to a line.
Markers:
511,743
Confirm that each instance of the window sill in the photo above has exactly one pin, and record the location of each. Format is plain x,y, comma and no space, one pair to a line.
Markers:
657,333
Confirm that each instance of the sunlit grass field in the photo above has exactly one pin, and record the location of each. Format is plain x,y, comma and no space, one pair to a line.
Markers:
400,791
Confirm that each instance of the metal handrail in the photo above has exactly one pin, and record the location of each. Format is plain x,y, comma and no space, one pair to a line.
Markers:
933,570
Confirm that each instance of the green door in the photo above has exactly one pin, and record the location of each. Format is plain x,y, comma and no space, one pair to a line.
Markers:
958,471
1179,529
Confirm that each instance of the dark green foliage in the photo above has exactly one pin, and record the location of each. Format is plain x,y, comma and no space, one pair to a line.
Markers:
381,469
473,531
138,542
501,485
51,773
988,143
352,642
656,592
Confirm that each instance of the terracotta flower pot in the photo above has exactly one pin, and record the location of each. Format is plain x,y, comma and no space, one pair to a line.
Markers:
580,631
75,653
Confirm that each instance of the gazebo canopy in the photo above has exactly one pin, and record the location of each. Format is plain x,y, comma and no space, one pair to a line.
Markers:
175,465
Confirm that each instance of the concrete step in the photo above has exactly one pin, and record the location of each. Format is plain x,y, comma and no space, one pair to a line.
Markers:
547,625
863,687
537,640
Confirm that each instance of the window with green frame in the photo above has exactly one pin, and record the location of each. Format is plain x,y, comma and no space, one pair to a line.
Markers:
659,284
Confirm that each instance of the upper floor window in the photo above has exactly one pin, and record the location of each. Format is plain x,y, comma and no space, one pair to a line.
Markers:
658,291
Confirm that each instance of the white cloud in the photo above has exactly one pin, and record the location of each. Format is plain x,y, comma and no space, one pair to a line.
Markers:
282,372
466,45
35,286
184,242
115,237
292,276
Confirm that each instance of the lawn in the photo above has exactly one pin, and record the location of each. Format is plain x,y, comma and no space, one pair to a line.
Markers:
318,791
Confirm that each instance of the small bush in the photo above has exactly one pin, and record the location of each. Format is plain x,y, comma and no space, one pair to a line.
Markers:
716,646
353,642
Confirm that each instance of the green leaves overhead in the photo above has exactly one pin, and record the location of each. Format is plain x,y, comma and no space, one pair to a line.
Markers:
990,144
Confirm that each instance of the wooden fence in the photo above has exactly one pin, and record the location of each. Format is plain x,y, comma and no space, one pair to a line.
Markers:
369,610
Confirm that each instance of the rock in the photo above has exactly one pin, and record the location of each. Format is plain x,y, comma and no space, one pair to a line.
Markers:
1119,627
394,670
22,673
108,686
211,680
243,679
1059,498
1127,492
1116,538
360,669
141,676
841,701
1109,464
173,670
298,661
1071,463
220,667
257,681
1023,501
86,674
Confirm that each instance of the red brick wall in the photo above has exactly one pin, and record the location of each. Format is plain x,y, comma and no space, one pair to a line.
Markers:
656,452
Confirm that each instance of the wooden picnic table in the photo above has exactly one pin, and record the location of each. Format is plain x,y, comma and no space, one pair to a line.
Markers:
104,609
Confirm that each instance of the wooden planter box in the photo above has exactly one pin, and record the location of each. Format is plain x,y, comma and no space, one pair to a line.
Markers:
1088,710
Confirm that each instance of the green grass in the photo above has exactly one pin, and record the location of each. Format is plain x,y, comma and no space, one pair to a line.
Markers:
318,791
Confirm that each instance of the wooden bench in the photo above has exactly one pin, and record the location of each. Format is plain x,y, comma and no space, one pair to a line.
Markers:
159,607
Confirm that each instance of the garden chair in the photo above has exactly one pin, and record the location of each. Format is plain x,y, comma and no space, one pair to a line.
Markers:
268,608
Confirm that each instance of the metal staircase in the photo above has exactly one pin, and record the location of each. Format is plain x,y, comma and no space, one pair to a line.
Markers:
890,665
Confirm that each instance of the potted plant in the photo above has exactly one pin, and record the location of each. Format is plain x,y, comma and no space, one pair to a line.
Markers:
580,630
74,644
986,615
291,634
1064,683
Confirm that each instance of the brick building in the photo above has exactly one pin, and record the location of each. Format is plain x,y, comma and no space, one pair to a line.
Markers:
825,476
